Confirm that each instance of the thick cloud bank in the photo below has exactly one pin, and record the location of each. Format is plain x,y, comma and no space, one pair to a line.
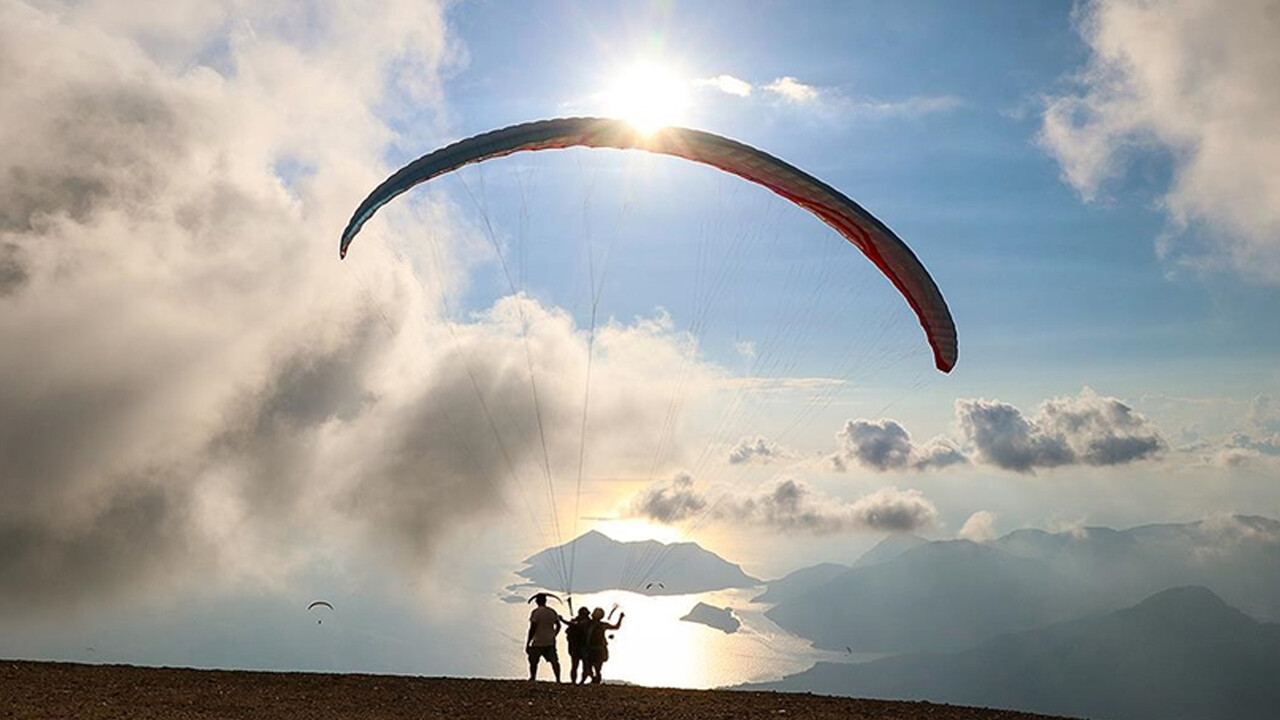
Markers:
195,389
1193,80
787,505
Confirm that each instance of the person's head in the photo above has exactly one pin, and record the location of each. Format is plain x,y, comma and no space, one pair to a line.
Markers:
584,613
540,599
597,614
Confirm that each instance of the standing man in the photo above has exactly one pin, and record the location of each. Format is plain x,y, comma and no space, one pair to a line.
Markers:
544,626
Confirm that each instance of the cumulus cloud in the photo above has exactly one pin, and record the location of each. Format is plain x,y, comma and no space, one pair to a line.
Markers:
1194,80
937,453
669,502
194,387
980,527
758,450
787,505
1087,429
895,510
884,445
877,444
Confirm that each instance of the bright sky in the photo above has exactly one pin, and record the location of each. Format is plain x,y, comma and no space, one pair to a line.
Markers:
202,401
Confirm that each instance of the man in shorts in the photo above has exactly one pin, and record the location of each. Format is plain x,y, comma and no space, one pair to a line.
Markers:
544,626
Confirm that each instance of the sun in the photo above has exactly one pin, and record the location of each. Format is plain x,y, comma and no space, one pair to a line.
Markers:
649,95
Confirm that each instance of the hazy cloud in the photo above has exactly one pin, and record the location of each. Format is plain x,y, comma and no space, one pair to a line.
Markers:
1193,80
756,449
1088,429
891,509
1264,414
792,89
787,505
911,107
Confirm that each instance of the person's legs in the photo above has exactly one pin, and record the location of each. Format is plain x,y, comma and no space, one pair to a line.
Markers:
533,664
573,669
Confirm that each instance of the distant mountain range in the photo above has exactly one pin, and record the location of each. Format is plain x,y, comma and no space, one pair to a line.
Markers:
910,595
1182,653
600,563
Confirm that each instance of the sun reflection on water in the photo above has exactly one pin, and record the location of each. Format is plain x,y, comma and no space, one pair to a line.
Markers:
655,648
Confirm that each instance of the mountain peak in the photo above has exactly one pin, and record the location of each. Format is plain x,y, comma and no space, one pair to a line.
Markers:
1190,600
893,545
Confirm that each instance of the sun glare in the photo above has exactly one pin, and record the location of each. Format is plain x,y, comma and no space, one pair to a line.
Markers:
648,95
634,530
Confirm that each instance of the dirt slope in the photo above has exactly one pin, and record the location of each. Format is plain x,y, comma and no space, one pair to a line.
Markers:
72,691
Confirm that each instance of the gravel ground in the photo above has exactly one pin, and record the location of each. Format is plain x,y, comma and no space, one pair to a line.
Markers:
66,690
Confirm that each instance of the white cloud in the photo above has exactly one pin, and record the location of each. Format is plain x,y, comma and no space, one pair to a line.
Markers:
1196,80
793,90
727,84
980,527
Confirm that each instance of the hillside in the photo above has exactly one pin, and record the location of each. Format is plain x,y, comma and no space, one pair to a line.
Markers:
31,690
1182,653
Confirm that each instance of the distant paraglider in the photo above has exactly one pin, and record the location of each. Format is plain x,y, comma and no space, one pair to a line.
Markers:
535,596
319,603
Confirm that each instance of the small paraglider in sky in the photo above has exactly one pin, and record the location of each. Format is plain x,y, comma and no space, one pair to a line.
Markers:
316,604
650,585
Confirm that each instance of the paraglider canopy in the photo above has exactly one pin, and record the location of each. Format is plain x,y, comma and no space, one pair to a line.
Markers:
316,604
879,243
544,596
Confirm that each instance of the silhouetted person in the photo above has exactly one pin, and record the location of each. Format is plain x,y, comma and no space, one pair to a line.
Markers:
576,631
544,625
598,642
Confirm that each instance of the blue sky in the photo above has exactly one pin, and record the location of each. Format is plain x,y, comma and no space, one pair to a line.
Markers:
1051,293
201,399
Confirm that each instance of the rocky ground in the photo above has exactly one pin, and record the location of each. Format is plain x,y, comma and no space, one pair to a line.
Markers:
66,690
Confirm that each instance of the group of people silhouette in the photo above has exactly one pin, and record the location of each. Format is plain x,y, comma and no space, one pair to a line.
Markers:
587,634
